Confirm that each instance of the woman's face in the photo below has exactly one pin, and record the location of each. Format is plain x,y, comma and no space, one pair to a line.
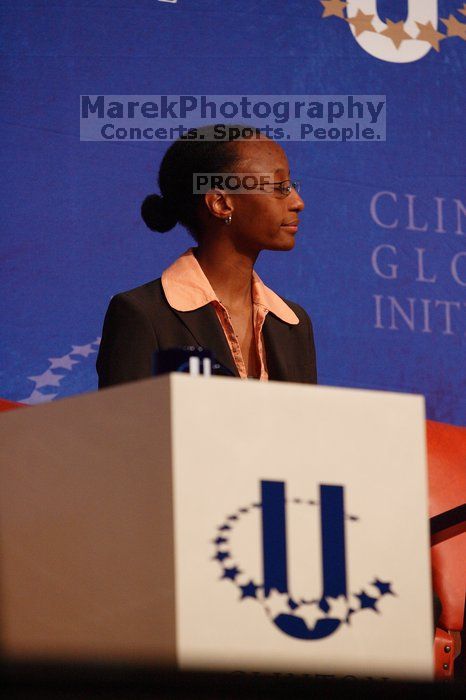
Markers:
264,220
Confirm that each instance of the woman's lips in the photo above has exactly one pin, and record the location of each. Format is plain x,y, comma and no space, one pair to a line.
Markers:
292,226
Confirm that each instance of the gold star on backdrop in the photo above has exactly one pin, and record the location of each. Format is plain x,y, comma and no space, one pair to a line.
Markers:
333,8
361,23
455,27
430,34
396,32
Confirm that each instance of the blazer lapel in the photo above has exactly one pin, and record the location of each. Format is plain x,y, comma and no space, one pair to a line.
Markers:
204,326
276,341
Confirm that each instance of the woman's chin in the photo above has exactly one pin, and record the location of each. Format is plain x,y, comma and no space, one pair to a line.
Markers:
284,242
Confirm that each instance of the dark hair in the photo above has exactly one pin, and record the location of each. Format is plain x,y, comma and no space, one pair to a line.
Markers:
186,156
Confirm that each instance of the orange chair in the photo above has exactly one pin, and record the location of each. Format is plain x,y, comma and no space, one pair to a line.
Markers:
446,450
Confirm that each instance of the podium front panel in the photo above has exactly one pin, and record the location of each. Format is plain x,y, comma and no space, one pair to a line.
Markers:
301,529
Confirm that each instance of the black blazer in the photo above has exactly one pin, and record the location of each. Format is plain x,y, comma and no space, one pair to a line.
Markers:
141,321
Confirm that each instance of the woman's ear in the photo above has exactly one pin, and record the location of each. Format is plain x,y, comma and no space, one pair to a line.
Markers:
218,203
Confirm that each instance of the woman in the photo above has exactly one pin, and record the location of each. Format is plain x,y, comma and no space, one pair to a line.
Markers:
211,296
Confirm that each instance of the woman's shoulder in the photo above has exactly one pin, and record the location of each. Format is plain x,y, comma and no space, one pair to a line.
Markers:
146,295
138,305
299,310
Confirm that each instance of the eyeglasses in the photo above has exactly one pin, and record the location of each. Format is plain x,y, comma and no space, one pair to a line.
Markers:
284,187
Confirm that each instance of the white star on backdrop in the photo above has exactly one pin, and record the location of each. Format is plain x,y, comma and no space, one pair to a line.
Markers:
47,378
64,362
37,397
84,350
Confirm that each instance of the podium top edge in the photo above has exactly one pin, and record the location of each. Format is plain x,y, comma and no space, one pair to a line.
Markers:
180,378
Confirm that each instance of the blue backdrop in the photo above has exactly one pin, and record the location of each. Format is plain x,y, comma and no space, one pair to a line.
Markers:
391,317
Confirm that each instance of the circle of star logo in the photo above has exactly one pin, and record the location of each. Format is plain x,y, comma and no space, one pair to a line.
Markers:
49,378
310,612
396,31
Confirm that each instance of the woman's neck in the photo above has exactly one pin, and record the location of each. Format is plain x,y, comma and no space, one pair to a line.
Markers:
229,272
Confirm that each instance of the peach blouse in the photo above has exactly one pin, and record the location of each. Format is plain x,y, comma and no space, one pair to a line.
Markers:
186,288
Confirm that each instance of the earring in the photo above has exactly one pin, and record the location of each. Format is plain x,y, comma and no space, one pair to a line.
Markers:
227,221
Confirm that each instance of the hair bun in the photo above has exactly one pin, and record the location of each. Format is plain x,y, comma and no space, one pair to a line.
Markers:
157,214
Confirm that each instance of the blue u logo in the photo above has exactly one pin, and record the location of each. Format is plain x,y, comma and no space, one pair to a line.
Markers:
274,546
296,617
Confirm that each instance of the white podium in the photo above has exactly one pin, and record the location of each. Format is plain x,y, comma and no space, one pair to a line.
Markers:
219,524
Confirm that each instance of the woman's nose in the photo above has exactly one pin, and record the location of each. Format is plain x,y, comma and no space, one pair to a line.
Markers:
297,203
